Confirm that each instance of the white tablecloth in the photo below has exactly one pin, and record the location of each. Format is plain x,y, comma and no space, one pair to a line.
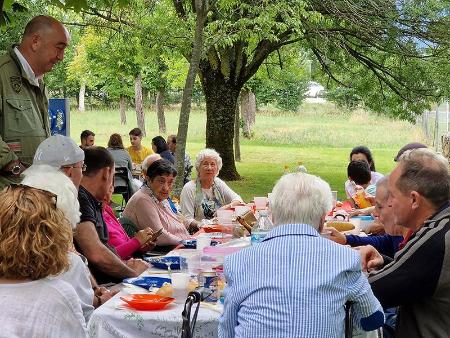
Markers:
108,321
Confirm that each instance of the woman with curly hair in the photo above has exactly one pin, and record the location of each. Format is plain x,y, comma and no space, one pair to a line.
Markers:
35,237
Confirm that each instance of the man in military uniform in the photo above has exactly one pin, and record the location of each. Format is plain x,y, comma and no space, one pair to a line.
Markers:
24,120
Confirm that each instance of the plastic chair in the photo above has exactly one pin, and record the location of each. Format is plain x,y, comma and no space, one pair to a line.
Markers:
129,226
122,184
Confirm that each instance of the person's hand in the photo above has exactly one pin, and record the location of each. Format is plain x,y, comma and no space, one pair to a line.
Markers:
370,258
370,199
103,294
376,228
147,246
138,265
361,212
336,236
225,207
144,235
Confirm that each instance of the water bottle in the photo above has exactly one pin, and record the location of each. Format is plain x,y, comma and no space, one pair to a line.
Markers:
301,168
261,228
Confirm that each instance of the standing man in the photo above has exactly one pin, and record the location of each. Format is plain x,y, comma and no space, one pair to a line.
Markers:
23,100
418,278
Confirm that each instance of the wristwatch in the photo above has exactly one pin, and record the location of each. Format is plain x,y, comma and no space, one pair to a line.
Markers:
16,170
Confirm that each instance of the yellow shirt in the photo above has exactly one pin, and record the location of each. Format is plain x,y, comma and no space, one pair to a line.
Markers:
139,156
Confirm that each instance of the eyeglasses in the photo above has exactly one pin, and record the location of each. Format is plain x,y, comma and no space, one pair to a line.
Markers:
83,167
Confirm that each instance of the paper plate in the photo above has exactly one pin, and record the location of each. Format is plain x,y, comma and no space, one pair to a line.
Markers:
147,302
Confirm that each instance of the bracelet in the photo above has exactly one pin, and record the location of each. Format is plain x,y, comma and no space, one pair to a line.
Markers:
99,300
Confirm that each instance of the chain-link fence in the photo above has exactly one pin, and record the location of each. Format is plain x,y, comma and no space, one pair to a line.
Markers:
435,124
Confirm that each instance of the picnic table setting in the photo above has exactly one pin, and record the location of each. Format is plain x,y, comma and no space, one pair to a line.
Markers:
153,303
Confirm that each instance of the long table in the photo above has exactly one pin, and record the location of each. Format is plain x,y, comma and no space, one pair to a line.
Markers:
109,321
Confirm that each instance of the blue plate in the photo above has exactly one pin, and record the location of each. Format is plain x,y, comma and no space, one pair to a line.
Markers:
160,262
192,243
147,282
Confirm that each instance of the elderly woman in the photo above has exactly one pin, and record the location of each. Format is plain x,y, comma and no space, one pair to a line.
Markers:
201,198
149,208
34,240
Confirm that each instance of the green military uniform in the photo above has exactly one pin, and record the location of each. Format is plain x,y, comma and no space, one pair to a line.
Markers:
24,122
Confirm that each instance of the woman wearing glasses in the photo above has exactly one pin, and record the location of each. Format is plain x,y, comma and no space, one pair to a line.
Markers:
149,206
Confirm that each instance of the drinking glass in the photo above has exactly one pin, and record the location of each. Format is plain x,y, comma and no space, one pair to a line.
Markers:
334,198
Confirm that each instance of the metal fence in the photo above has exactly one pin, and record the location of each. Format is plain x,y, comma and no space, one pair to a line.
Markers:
435,124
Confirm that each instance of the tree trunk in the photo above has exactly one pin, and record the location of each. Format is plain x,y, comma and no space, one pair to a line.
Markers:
81,96
201,9
248,111
123,115
160,111
221,97
138,103
237,143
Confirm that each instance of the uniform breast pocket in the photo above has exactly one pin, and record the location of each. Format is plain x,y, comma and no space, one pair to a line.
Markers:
19,117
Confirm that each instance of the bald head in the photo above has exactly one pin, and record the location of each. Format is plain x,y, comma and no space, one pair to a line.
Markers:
43,43
149,160
39,24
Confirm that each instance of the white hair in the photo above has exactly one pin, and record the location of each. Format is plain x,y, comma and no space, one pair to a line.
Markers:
300,198
48,178
208,153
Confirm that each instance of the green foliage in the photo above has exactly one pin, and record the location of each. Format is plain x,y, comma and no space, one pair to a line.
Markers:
345,98
281,80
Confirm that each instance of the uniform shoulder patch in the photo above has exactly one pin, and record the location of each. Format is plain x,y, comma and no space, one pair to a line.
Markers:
16,83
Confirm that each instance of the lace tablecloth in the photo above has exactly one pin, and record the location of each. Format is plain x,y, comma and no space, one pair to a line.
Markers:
110,321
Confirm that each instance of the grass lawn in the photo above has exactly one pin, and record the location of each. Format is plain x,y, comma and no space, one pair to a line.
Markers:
319,135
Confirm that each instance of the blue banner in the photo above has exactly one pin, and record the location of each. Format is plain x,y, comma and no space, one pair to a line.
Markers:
59,115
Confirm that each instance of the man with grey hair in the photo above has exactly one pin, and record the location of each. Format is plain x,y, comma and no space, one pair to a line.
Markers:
295,282
418,278
23,101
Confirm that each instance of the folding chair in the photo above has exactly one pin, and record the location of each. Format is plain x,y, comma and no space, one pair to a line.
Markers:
122,184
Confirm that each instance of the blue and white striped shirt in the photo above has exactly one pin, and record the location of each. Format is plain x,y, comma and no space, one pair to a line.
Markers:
295,284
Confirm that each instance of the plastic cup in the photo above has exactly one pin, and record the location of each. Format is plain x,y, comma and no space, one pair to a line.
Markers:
260,203
203,242
240,209
334,198
180,284
225,217
356,222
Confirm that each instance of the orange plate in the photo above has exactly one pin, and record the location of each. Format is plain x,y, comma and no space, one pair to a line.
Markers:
213,228
147,301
